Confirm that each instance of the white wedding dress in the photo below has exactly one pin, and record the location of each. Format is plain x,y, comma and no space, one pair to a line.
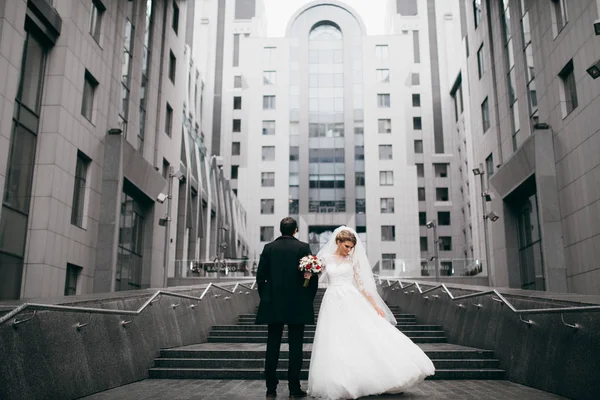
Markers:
356,352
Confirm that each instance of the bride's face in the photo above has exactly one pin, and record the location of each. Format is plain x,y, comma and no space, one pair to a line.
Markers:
344,248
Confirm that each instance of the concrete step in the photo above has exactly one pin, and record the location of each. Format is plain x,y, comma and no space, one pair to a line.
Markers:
257,351
259,339
227,363
309,334
311,328
257,373
396,315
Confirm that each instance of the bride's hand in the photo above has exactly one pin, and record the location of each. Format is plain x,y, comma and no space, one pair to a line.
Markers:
380,312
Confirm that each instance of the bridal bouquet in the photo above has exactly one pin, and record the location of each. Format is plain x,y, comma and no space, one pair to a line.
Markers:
310,264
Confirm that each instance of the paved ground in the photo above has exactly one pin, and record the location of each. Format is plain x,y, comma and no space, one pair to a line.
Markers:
180,389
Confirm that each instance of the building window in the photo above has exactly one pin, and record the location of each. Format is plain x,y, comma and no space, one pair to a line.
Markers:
89,91
387,205
96,14
359,178
236,49
443,218
489,167
235,171
267,179
477,11
237,102
268,153
420,170
71,279
361,206
267,233
422,218
294,179
268,102
269,77
172,66
382,52
441,194
79,189
235,148
559,15
175,23
165,169
485,115
388,261
294,207
418,146
441,170
268,127
421,193
457,99
383,100
386,178
237,82
417,123
359,153
131,245
385,125
385,152
416,100
20,166
424,243
480,61
269,54
169,120
388,233
569,89
267,206
237,125
416,48
415,79
383,75
445,243
294,153
126,66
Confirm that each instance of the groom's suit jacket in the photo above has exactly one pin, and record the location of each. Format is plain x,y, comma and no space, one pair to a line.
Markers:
283,298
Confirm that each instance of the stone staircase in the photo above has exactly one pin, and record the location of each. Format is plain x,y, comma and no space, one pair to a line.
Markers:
237,352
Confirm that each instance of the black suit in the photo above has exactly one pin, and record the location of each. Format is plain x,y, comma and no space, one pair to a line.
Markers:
284,301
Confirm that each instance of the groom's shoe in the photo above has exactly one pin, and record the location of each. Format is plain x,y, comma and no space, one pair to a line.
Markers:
296,394
271,394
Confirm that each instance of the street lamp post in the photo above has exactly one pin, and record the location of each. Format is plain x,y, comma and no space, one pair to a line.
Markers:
485,197
220,250
433,225
166,222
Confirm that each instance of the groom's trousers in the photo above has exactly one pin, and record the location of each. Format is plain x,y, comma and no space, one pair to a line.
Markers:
295,339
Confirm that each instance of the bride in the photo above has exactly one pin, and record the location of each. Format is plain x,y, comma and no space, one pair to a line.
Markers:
357,350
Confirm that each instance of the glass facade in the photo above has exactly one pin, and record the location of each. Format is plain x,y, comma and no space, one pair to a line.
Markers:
326,120
131,242
19,177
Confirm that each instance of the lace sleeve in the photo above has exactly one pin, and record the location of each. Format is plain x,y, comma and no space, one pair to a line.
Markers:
357,279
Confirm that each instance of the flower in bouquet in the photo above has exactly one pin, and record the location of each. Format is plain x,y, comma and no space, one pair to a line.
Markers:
310,264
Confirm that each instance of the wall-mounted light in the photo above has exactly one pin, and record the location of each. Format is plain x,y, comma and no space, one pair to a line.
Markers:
492,216
594,70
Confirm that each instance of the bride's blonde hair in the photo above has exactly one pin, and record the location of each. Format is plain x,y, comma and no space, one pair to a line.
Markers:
345,236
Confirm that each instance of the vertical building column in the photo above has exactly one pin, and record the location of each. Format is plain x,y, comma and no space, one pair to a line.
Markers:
553,249
110,211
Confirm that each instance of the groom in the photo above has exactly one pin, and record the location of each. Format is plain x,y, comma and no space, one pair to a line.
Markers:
285,301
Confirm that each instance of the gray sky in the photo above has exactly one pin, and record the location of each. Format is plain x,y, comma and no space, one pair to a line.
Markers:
279,12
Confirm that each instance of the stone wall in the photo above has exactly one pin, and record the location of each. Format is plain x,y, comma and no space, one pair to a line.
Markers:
545,354
48,358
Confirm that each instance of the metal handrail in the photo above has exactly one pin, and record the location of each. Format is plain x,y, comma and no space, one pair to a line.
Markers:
498,298
156,297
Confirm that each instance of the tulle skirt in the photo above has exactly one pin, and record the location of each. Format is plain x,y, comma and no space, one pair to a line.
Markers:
358,353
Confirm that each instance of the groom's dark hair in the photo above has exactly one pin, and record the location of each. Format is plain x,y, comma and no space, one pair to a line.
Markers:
288,226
